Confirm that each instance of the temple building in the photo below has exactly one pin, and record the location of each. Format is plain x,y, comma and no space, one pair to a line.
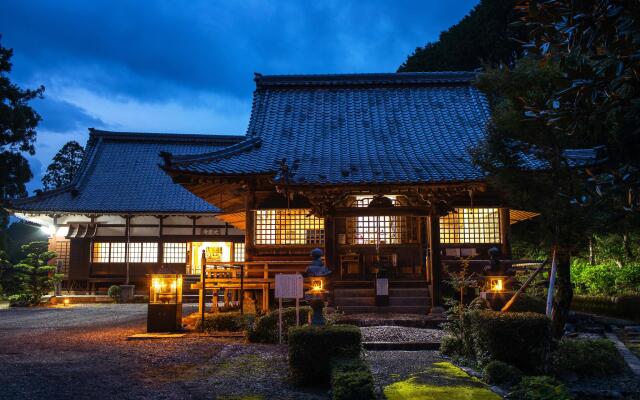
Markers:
374,169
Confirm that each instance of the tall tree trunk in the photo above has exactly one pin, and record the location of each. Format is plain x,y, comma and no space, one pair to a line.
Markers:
592,254
626,245
563,295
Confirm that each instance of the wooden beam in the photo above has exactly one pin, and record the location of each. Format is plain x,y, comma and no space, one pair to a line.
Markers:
365,211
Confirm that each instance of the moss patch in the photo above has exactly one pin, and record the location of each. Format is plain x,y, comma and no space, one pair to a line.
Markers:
442,381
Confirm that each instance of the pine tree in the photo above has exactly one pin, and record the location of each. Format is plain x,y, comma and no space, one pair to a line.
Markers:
64,166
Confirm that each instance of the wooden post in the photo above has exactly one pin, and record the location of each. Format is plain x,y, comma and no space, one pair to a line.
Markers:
203,267
329,242
127,232
505,233
242,288
435,263
249,208
524,286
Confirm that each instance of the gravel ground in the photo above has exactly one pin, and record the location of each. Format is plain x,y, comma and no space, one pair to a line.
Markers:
81,352
398,334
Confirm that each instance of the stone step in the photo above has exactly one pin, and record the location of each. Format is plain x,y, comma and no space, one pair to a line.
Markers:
409,292
355,301
382,310
353,292
409,301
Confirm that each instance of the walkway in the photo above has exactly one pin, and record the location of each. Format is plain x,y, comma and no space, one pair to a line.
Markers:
423,375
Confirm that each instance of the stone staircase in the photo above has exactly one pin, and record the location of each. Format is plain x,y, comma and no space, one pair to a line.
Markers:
359,297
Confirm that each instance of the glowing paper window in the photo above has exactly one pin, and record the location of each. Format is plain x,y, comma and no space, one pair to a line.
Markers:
238,252
471,226
143,252
175,253
108,252
288,227
380,229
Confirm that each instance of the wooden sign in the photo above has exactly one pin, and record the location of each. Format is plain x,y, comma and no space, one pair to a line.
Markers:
289,286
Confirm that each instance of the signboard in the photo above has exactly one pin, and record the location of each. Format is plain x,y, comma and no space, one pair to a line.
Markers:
289,286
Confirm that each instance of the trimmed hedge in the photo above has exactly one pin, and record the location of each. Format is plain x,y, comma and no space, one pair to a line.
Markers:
501,373
626,307
520,339
227,321
313,348
539,388
597,357
265,329
351,379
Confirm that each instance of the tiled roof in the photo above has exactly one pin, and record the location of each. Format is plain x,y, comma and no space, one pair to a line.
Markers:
356,129
120,174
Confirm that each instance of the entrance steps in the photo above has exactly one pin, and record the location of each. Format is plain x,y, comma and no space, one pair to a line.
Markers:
359,297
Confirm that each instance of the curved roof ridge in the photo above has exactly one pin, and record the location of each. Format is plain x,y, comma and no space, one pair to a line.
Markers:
238,148
368,79
124,135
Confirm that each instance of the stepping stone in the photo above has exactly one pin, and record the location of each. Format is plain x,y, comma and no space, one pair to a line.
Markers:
632,361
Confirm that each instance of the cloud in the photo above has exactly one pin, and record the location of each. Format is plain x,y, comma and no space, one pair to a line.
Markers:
61,116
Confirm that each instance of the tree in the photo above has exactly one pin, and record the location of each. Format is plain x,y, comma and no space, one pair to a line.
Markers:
36,276
18,122
9,279
484,35
64,166
528,161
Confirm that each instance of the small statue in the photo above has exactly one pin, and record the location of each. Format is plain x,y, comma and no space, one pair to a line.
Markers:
317,267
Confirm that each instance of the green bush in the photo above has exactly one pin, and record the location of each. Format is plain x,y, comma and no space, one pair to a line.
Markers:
597,357
20,300
527,303
351,379
451,346
501,373
627,307
226,322
115,293
520,339
313,348
265,329
539,388
605,278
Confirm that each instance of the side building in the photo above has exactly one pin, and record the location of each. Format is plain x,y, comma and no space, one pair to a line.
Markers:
122,217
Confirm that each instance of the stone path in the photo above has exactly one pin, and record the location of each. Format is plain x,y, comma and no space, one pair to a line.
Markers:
632,360
423,375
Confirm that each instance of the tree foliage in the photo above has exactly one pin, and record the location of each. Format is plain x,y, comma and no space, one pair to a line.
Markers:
64,166
18,122
484,35
36,276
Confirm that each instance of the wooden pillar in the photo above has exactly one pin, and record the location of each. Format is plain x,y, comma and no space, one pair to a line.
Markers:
127,233
505,233
201,292
250,205
160,242
435,263
330,256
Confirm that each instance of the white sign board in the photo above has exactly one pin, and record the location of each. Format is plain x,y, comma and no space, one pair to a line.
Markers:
382,287
289,286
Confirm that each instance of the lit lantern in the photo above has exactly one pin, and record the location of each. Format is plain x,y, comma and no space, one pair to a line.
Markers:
495,284
165,303
317,286
66,302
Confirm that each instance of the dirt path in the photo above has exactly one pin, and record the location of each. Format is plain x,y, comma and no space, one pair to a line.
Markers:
82,353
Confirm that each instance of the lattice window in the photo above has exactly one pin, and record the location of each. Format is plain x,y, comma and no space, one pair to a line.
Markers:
238,252
175,253
363,201
101,252
108,252
288,227
143,252
61,247
471,226
382,229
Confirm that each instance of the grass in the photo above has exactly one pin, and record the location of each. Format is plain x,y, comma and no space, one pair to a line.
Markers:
442,381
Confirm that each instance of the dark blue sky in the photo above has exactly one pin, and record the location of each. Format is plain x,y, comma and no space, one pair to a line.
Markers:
187,66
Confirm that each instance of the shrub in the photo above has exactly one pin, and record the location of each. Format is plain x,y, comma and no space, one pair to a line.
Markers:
539,388
20,300
519,339
351,379
312,348
228,322
451,346
265,329
597,357
627,307
115,292
500,373
527,303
